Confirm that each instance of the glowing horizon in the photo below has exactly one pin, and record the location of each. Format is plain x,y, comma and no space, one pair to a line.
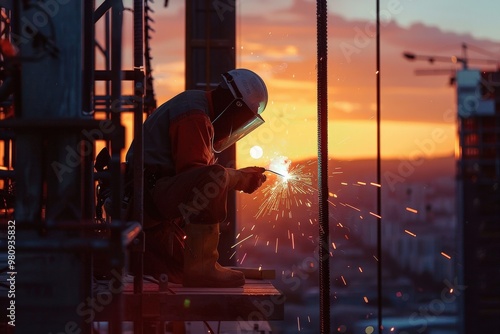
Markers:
430,140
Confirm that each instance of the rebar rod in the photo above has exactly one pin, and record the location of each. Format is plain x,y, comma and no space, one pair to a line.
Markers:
324,230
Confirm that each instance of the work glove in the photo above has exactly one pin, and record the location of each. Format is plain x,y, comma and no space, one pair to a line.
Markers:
250,179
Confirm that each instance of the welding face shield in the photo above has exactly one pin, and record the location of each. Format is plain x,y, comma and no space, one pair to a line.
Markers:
242,115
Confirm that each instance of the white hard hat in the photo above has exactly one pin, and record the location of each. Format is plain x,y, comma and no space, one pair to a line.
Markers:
242,115
251,87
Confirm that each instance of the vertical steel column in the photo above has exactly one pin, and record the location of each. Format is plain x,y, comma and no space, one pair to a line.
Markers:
116,147
379,180
324,228
210,51
116,101
88,201
149,95
88,58
138,201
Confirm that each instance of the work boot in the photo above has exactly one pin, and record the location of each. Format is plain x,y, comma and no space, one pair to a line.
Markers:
201,268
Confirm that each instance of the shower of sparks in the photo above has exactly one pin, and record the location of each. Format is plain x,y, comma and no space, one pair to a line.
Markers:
281,195
446,255
239,242
374,214
412,210
411,233
298,323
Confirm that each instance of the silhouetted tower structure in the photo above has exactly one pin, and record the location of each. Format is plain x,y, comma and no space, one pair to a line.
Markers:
478,193
210,51
478,174
58,114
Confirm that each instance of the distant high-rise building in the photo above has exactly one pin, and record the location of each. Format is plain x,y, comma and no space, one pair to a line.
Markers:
478,176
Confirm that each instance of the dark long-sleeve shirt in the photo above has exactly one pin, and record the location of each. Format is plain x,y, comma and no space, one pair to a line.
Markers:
178,135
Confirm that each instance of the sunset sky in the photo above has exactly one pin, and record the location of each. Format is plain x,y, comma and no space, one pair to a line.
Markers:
277,39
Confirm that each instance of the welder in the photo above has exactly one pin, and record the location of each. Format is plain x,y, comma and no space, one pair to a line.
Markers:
186,190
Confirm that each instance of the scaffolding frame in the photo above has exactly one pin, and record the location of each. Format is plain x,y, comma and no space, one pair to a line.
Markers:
76,233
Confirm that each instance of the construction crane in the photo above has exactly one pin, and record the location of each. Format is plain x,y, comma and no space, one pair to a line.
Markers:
464,60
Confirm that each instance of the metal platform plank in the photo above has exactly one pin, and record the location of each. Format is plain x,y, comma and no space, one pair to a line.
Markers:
257,300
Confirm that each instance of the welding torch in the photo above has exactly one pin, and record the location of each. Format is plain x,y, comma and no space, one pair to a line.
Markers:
271,171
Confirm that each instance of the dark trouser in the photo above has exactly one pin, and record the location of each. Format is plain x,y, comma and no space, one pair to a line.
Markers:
197,196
